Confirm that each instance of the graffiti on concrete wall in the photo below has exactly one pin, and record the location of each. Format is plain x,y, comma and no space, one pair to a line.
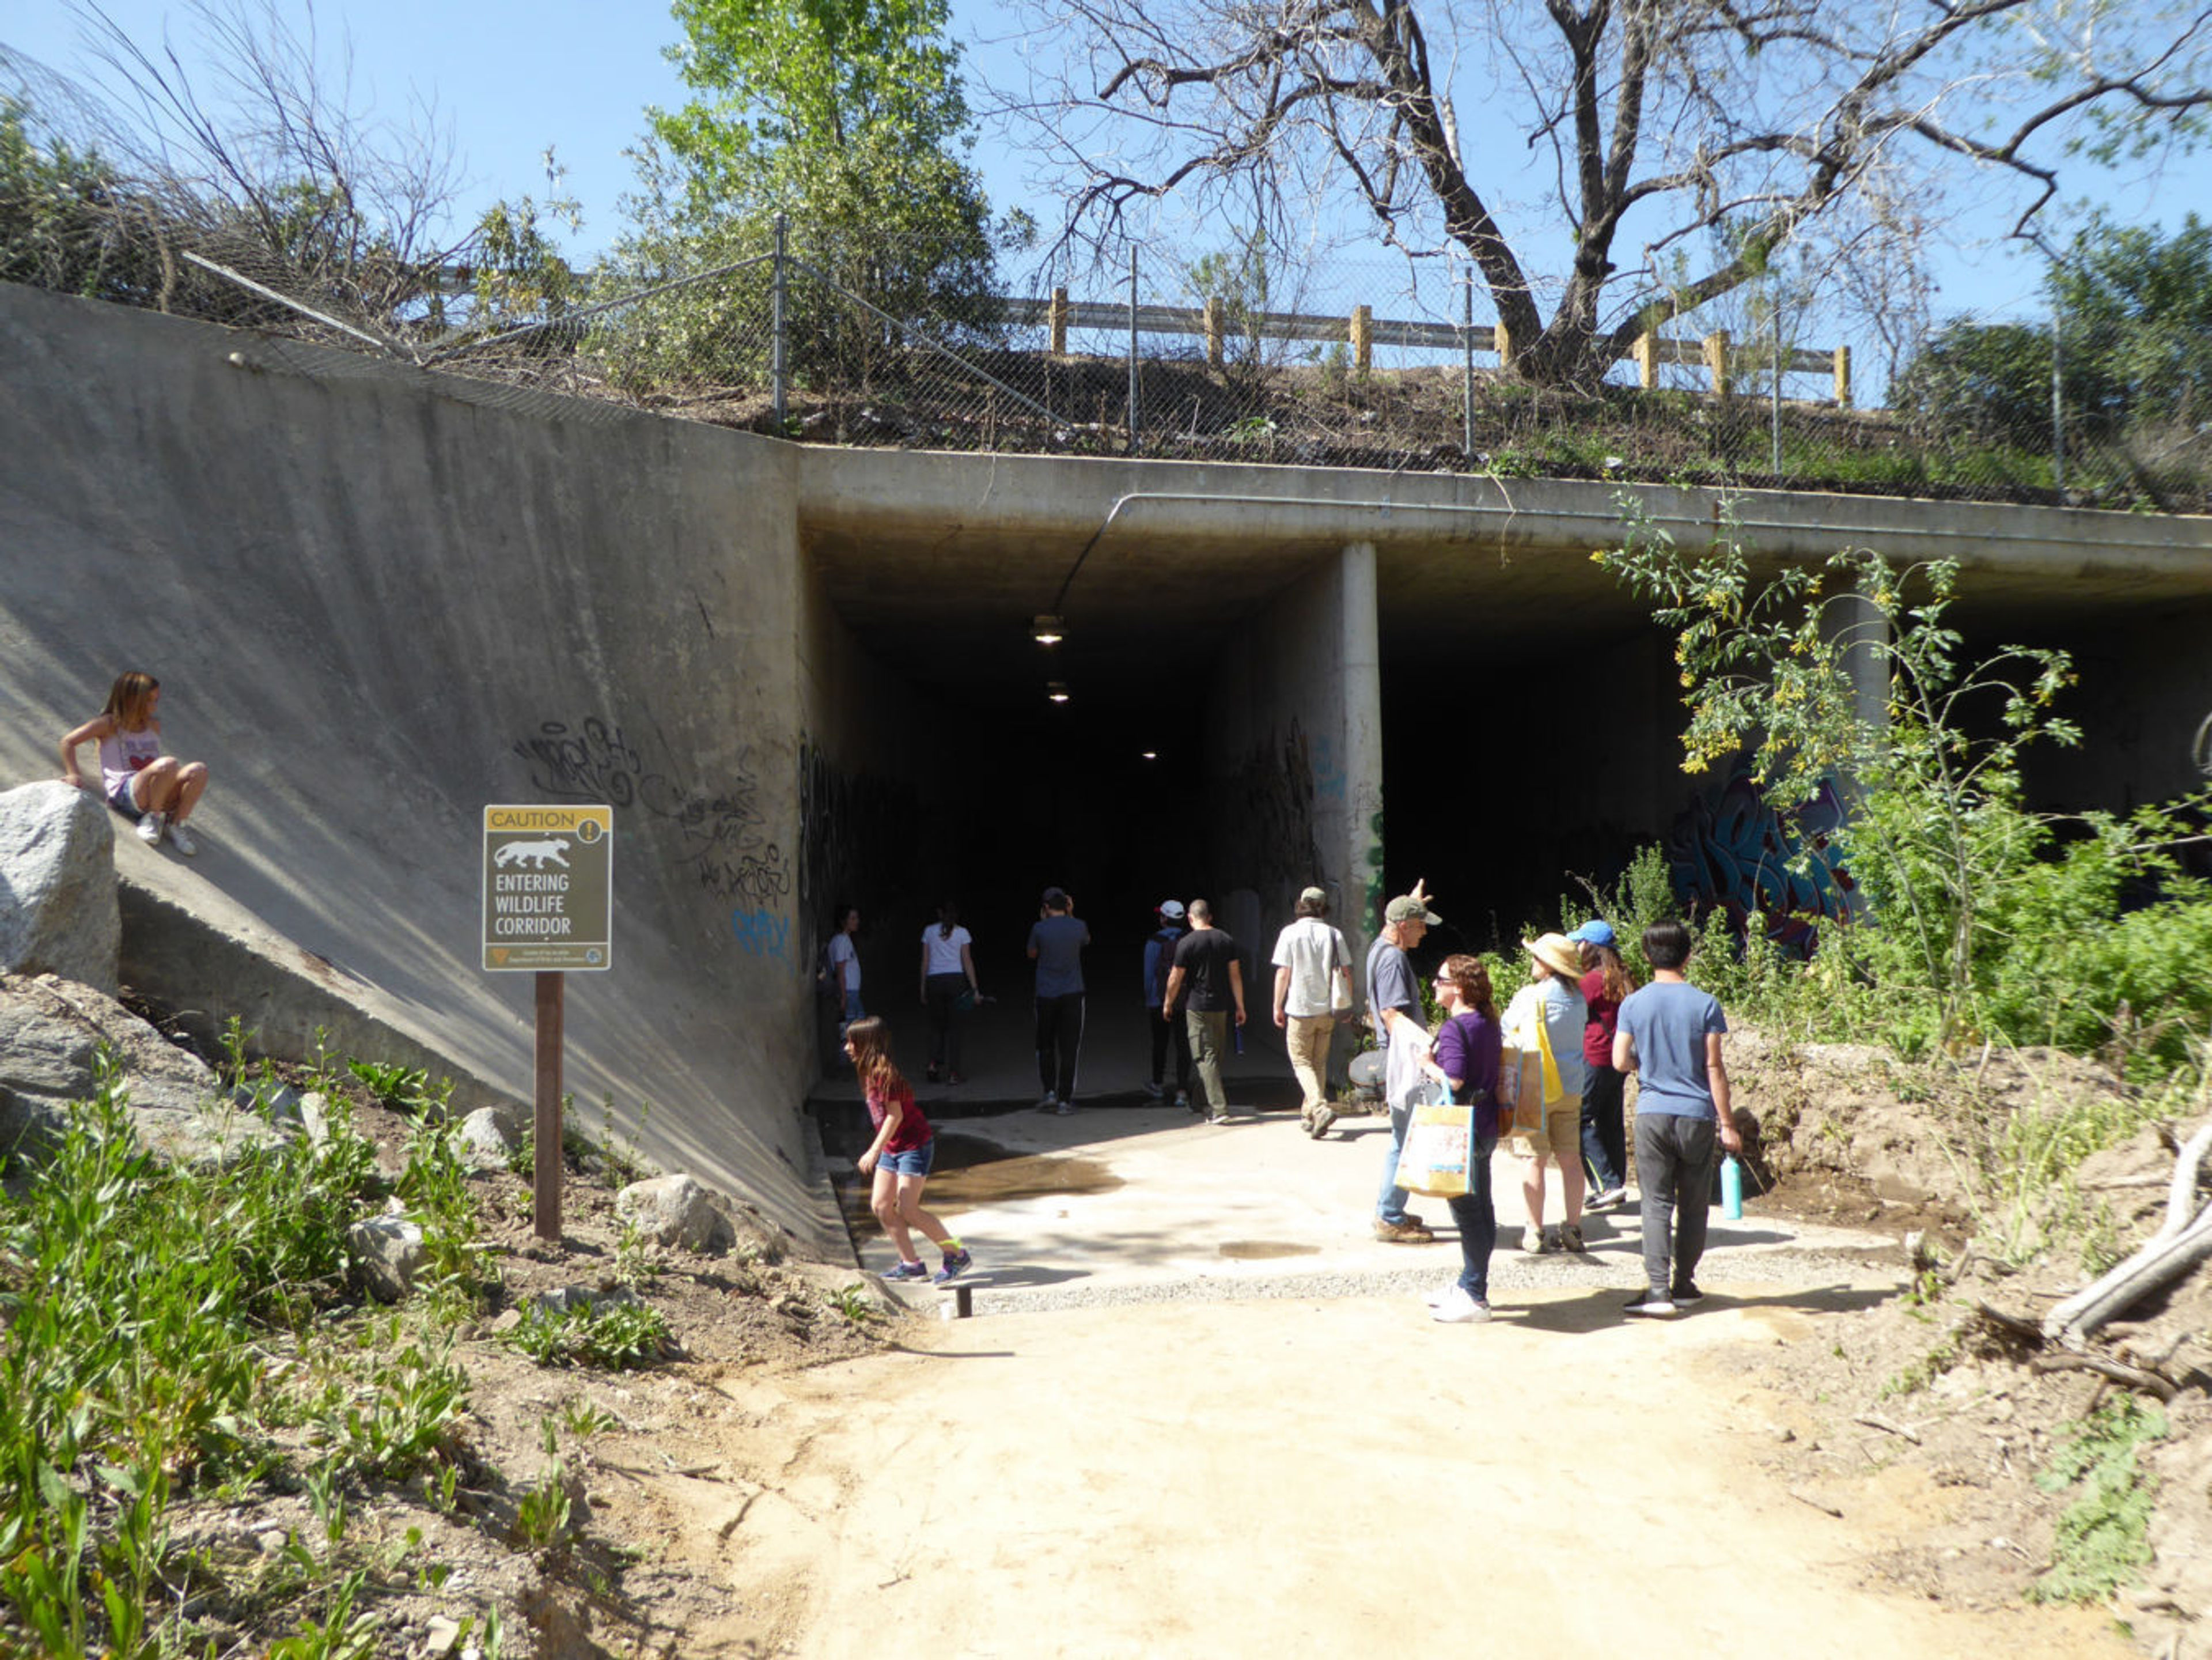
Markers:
856,837
722,831
1732,849
1269,841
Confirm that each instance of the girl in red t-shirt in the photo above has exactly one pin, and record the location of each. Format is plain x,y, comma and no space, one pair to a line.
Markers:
900,1155
1607,981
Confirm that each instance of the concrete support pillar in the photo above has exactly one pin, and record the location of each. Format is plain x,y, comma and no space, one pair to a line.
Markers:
1856,626
1359,833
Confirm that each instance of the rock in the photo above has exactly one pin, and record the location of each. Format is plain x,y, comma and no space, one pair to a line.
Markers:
50,1032
388,1250
315,1116
568,1299
58,911
488,1138
279,1102
440,1634
675,1210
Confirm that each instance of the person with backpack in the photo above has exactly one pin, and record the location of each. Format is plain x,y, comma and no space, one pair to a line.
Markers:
1160,958
1313,980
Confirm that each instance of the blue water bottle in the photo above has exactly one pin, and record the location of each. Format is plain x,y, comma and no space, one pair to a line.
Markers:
1731,1189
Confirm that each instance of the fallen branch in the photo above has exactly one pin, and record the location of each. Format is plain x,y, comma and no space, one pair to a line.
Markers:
2183,1241
2026,1330
1887,1427
2118,1370
1822,1505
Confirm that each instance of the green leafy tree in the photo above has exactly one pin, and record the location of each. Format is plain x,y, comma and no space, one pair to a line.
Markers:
1980,917
845,116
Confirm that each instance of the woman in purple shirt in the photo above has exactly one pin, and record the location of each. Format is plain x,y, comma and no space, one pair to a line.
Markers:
1465,1056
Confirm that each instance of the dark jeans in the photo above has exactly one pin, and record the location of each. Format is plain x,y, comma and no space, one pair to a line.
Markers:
1605,1147
1059,1040
1476,1218
1674,1169
946,1019
1166,1030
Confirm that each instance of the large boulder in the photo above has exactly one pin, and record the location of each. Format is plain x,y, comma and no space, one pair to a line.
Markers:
675,1210
58,913
52,1031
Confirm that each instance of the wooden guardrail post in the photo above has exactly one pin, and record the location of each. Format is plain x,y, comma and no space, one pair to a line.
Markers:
1213,331
1842,377
1057,319
1717,363
1647,359
1501,341
1363,338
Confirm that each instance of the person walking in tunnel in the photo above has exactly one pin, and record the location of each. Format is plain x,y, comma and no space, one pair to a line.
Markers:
1313,980
1056,943
841,966
1208,968
1165,1029
899,1157
949,989
1553,1000
1393,1003
1606,981
135,778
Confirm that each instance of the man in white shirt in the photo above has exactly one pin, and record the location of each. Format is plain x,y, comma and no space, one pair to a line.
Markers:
1313,980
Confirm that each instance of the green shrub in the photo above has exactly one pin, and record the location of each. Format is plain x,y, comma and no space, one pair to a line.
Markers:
2102,1538
614,1336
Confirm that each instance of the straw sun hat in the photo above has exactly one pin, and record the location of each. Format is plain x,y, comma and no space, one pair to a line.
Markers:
1556,952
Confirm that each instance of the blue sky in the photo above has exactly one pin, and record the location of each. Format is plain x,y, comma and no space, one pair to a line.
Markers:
509,78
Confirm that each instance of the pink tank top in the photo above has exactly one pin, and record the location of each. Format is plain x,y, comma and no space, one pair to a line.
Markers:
123,754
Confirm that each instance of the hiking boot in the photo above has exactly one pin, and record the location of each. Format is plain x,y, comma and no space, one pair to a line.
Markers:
181,840
1460,1309
907,1271
1324,1116
1654,1305
1407,1232
1571,1238
149,830
956,1262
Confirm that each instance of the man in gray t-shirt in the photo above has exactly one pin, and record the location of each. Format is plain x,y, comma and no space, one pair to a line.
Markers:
1056,943
1394,1002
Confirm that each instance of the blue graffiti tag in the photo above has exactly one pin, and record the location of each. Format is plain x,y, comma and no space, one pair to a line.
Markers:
762,932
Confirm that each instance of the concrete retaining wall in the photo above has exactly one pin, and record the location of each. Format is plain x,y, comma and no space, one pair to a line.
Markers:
380,600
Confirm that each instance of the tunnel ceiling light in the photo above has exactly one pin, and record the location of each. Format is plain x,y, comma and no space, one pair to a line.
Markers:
1056,690
1151,755
1047,630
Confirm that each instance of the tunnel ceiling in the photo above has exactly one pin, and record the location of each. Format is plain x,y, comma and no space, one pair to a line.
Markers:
937,563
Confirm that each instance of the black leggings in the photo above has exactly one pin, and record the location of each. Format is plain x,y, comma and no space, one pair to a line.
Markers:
946,1019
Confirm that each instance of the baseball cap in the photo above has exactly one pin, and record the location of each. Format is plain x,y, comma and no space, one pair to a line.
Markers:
1055,896
1596,932
1172,909
1314,897
1406,908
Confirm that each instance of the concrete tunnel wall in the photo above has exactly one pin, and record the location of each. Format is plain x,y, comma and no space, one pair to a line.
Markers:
378,603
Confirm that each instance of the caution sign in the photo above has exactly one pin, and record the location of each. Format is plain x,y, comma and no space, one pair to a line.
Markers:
547,888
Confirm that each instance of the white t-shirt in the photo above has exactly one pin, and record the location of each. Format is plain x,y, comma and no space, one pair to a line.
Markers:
844,961
944,953
1312,950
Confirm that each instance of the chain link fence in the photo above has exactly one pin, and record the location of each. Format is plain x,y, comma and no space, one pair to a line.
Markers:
818,338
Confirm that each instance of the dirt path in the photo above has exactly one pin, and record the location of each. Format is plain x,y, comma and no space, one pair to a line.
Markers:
1266,1478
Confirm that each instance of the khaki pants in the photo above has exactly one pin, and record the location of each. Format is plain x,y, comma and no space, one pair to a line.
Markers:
1309,1036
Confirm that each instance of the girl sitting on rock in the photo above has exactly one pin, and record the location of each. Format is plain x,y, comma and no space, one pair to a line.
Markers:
135,778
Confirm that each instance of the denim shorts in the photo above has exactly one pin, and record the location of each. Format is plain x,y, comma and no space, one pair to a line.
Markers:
915,1161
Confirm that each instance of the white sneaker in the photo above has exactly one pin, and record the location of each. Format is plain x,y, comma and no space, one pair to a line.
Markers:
1460,1309
1051,1102
181,840
1532,1241
1442,1294
1155,1091
149,830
